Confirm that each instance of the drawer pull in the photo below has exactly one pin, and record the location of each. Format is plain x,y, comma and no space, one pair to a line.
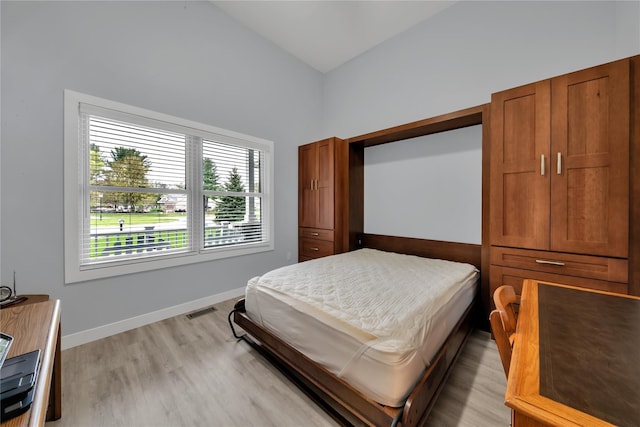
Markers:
543,261
315,249
315,234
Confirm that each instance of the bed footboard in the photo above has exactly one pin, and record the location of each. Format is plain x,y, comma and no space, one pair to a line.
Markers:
347,405
421,400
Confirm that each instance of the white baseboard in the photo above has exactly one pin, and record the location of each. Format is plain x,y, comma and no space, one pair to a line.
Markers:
83,337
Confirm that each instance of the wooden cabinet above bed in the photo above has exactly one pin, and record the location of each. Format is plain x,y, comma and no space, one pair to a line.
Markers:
323,176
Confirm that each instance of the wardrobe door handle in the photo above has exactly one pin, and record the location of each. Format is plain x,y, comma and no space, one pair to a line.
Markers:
559,170
542,164
544,261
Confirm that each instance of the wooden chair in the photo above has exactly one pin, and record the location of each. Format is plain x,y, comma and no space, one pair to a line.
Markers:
503,323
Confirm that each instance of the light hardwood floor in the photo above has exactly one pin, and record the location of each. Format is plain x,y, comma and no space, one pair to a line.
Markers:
192,372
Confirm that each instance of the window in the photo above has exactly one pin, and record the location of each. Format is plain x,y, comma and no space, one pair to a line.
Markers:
145,190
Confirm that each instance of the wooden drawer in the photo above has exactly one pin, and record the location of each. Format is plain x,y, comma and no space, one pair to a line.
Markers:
314,248
315,233
585,266
499,275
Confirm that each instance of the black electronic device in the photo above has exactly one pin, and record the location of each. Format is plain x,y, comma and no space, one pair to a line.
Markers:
17,380
5,344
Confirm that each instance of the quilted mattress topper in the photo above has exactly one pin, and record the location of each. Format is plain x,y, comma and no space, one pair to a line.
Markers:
387,295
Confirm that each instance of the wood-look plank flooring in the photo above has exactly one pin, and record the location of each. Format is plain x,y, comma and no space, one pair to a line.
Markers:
192,372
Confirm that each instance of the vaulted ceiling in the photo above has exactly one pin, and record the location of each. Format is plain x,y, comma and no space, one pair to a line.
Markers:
326,34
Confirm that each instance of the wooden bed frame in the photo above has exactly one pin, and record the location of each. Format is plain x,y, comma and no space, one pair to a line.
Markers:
347,405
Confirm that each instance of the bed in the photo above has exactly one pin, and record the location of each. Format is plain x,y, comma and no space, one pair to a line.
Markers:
380,360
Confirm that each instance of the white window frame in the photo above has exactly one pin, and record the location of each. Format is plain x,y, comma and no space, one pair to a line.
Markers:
76,187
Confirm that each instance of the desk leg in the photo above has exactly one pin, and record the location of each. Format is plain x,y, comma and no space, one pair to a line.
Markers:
54,411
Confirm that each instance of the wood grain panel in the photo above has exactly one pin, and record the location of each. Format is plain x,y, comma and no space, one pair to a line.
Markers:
356,194
445,122
315,233
486,215
519,206
591,267
519,179
515,277
460,252
634,165
323,196
519,130
341,197
315,248
324,186
590,161
592,165
307,173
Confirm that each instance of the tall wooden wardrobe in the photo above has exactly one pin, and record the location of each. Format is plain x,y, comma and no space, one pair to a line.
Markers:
563,180
323,198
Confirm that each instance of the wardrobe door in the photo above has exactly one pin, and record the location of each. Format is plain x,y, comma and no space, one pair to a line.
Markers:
590,161
325,184
520,120
307,176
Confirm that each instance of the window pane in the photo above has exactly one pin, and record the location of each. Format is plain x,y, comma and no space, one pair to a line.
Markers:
129,224
119,230
231,182
232,220
127,155
230,168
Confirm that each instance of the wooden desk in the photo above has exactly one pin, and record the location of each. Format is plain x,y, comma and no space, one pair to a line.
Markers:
36,325
575,358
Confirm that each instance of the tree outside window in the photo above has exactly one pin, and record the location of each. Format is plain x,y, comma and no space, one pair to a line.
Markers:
231,208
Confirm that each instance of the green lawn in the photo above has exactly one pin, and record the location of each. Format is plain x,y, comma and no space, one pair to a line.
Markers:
112,219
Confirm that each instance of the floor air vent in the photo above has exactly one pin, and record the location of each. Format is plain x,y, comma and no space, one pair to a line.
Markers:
201,312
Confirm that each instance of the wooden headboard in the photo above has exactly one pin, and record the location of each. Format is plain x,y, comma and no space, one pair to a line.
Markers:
460,252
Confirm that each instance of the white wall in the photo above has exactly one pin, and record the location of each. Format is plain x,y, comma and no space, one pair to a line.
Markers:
453,61
414,187
186,59
190,60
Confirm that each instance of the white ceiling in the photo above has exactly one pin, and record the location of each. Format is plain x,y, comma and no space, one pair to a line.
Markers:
326,33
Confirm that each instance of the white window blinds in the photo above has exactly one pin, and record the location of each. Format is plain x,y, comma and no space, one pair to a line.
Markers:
153,187
137,190
232,191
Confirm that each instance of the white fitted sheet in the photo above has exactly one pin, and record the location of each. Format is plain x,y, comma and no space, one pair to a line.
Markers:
374,318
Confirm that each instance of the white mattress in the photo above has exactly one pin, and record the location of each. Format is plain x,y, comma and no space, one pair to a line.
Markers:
374,318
